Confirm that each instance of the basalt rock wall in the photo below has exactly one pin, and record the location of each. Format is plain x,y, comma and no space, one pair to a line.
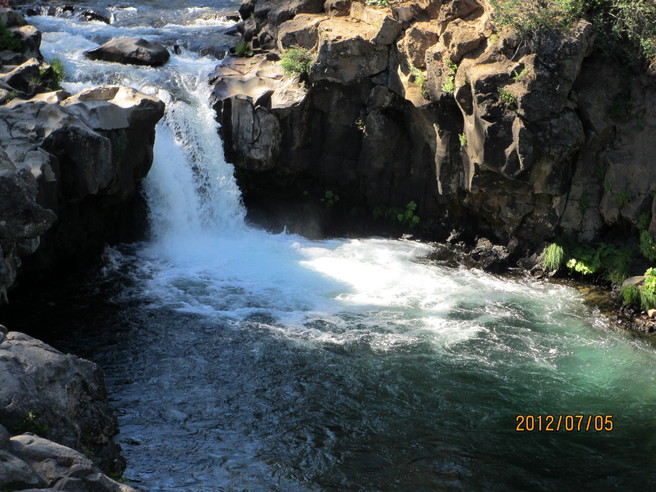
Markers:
70,165
431,102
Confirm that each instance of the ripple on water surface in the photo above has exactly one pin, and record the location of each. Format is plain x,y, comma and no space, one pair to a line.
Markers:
239,359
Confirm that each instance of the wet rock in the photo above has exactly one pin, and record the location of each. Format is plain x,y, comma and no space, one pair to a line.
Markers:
490,257
61,467
133,51
91,15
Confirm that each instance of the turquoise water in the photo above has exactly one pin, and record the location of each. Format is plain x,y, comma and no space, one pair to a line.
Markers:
242,360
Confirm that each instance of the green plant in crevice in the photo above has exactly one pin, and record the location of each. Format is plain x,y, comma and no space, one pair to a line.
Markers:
243,49
419,78
554,257
643,221
623,198
648,245
449,84
408,217
31,423
519,75
507,98
378,3
296,60
58,73
462,138
330,198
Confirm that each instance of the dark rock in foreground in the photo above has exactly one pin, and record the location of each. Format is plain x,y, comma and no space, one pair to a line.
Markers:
60,397
131,51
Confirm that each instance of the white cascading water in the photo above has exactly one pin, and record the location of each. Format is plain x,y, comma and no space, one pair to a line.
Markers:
272,362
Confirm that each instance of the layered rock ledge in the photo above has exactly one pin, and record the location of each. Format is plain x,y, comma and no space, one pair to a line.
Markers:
430,102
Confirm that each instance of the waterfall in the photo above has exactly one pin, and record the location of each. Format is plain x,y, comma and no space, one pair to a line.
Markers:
248,360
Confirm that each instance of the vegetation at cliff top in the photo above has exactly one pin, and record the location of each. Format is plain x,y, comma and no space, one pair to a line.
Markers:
625,28
296,61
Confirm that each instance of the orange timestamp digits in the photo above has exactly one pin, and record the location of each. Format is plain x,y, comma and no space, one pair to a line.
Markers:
568,423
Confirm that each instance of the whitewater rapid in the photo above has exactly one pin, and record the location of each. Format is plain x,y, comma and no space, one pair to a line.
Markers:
243,360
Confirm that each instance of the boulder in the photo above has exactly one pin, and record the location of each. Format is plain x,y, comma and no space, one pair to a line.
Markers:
131,51
415,41
61,467
337,8
301,31
61,397
246,93
347,52
11,18
387,28
28,78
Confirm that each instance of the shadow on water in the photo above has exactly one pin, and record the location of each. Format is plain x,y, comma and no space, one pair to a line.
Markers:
239,360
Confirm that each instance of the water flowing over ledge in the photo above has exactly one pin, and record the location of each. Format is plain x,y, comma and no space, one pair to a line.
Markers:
242,359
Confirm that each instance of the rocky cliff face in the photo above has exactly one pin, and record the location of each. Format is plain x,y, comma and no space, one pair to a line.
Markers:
62,399
69,165
430,102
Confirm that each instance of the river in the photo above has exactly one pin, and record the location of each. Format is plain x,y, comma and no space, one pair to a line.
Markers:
242,360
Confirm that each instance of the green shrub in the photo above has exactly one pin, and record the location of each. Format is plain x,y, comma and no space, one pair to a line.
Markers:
463,140
517,76
449,84
644,221
296,61
378,3
631,295
58,73
243,49
618,264
330,198
554,257
648,245
420,80
8,41
508,98
626,29
408,217
32,424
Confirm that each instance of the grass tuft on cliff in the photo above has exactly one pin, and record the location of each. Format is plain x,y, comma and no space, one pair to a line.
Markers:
626,29
58,73
296,61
